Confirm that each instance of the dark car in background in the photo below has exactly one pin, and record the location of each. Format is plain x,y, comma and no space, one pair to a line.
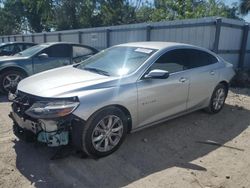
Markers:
11,48
40,58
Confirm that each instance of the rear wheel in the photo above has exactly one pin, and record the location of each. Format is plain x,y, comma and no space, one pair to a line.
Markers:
9,80
104,132
218,99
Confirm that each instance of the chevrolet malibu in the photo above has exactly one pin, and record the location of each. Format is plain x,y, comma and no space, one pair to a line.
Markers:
93,105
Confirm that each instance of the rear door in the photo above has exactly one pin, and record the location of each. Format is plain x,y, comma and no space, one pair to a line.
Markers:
160,98
58,55
204,77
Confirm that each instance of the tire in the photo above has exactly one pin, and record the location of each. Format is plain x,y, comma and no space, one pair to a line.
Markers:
219,94
94,137
6,78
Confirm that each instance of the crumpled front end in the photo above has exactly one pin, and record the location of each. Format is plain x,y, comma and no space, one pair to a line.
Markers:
45,120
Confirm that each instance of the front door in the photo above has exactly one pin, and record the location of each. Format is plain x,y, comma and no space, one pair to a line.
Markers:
161,98
57,55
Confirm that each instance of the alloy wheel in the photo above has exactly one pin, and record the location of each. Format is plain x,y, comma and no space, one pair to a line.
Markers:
10,81
219,99
107,133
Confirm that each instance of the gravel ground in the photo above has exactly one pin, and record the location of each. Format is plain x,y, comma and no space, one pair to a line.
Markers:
166,155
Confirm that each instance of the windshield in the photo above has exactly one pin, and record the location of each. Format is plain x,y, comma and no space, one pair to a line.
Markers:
31,51
117,61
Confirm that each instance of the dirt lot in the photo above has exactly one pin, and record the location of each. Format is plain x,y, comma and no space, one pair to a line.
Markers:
166,155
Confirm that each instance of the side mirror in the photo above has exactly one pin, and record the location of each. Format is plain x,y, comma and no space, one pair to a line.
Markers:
157,74
43,56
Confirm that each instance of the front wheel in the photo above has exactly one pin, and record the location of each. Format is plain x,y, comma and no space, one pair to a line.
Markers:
218,98
9,80
104,132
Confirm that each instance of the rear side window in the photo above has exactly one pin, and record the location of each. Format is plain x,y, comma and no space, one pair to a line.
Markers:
79,51
182,59
59,50
198,58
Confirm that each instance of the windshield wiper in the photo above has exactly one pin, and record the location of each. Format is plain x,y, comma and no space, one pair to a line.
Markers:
99,71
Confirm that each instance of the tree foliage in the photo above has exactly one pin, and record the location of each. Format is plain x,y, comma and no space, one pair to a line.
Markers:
244,6
47,15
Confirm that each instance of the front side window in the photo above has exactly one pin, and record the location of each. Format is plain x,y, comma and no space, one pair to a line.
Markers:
61,50
118,61
173,61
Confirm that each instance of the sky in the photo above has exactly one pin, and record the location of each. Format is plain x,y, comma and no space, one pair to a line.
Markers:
229,2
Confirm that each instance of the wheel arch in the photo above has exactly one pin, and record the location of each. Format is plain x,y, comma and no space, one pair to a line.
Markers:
14,68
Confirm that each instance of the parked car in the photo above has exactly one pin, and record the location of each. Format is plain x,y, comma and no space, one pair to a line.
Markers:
96,103
11,48
40,58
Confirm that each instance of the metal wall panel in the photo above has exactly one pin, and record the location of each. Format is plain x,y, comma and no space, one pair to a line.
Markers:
96,39
247,61
27,38
232,58
202,36
38,39
52,38
248,41
230,38
70,37
118,37
19,38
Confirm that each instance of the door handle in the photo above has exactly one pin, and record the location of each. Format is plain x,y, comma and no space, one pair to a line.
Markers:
212,72
182,79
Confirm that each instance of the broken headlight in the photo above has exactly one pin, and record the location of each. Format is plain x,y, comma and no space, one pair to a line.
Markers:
51,109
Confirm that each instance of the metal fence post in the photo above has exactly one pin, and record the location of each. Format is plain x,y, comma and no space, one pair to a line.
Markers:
217,34
22,37
148,32
59,37
14,37
80,37
44,37
2,39
243,46
8,38
32,38
108,38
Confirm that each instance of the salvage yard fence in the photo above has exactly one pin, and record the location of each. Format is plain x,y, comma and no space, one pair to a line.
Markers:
226,37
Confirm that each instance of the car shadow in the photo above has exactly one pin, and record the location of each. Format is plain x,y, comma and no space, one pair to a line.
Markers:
173,143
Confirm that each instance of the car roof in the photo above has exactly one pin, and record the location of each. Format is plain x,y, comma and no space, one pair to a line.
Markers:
155,45
47,44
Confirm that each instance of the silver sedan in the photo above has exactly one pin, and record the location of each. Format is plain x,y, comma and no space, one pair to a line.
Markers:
93,105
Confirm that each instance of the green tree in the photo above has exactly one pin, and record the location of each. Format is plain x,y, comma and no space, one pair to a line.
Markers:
38,14
116,12
244,6
184,9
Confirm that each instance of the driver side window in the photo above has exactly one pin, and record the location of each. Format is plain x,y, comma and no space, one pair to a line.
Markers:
172,61
58,51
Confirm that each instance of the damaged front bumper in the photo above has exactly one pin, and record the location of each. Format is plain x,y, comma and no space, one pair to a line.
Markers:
53,131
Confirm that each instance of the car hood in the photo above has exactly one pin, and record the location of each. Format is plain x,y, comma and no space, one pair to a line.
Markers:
62,81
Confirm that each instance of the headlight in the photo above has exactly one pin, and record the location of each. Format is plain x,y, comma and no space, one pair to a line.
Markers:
49,109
